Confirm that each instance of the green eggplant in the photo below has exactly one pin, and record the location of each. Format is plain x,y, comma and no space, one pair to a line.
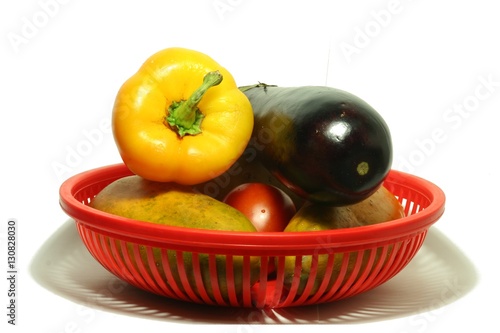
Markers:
325,144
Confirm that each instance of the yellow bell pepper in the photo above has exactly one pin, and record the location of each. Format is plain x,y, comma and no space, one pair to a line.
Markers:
181,118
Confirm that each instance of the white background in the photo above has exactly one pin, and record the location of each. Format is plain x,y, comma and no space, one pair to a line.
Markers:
431,68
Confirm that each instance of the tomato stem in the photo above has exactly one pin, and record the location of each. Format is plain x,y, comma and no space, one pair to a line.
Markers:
185,117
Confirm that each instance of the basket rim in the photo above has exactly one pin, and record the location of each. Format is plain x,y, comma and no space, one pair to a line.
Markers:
189,238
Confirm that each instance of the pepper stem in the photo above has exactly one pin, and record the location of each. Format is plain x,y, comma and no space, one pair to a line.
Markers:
184,117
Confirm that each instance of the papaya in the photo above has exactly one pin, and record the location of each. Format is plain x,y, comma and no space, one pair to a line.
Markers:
178,205
379,207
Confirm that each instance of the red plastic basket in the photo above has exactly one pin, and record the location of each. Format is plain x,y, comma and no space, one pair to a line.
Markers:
233,268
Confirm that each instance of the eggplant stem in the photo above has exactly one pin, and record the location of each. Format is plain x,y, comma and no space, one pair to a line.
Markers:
260,84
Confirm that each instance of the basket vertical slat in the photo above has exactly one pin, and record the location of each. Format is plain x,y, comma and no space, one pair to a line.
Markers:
246,282
322,289
169,276
158,275
261,292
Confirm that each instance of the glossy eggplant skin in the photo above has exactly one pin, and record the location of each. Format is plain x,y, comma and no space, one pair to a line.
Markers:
325,144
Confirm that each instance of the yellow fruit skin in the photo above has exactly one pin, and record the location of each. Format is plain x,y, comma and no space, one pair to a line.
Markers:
380,207
168,203
176,205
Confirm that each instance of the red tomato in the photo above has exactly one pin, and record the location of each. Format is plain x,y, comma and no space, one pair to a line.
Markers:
266,206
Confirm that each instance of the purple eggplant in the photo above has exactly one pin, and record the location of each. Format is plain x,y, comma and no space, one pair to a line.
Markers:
324,144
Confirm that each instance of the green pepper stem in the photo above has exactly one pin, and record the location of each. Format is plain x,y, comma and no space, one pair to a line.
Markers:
184,116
